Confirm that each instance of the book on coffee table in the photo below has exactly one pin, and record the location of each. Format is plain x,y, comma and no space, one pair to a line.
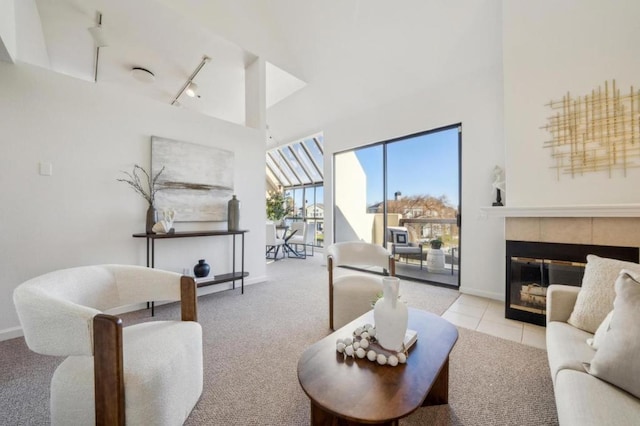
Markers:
410,338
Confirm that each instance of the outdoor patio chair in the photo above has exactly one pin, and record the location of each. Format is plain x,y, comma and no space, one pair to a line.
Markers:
352,295
399,240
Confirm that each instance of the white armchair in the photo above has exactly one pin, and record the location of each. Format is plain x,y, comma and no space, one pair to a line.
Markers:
148,373
351,295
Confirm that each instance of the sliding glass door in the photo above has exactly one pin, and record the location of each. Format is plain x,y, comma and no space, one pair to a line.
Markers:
404,194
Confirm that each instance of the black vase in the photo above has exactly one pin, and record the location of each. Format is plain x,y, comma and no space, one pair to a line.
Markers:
201,269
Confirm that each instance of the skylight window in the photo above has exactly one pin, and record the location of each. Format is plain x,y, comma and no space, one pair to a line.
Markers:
296,164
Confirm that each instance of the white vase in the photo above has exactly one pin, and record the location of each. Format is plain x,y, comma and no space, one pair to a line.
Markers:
390,316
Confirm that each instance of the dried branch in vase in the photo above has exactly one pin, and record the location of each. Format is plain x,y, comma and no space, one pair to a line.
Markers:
145,186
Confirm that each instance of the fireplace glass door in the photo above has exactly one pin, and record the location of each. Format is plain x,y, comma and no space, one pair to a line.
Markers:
533,266
530,278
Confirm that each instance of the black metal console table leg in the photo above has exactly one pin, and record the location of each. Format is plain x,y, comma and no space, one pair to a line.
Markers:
233,256
242,265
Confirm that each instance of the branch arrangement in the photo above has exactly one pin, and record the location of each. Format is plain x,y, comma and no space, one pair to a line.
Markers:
145,186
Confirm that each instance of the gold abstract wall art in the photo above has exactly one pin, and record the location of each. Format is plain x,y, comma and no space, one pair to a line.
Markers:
597,132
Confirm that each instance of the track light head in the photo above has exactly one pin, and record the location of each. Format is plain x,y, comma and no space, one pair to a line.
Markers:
191,89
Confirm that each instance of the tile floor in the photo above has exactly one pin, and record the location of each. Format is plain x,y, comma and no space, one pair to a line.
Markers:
487,316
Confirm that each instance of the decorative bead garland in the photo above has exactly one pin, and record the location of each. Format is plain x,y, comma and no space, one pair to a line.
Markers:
357,345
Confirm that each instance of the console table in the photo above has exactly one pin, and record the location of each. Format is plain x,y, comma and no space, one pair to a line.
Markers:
201,282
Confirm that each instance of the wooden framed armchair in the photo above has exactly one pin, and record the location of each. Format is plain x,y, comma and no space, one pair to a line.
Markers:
147,373
351,295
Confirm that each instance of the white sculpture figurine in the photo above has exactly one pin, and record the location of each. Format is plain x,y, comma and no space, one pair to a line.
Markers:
498,184
164,226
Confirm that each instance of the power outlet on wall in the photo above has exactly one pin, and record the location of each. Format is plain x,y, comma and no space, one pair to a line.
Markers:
46,168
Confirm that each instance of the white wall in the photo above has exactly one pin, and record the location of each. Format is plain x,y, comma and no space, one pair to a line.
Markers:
7,31
351,200
30,43
551,48
477,104
81,215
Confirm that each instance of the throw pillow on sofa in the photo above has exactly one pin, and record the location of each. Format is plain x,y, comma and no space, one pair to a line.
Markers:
595,299
617,360
601,332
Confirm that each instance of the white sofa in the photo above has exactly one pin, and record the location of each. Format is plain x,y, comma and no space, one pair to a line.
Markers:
581,398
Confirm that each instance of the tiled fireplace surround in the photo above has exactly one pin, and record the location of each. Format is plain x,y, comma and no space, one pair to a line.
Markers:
609,231
589,231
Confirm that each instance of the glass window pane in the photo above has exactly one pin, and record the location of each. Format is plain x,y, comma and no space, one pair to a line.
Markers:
288,154
422,196
311,146
358,193
303,165
274,170
306,160
298,203
291,177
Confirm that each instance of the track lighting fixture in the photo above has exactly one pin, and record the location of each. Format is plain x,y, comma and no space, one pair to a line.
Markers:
99,40
189,87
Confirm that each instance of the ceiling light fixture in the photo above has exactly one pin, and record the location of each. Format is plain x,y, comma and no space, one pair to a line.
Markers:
191,90
189,87
143,75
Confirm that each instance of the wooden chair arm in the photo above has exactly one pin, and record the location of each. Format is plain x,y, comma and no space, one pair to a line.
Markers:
188,299
108,370
392,266
330,269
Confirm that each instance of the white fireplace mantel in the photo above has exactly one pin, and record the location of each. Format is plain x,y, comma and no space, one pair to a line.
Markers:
600,210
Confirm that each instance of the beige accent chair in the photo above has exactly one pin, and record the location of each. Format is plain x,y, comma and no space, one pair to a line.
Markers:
143,374
351,295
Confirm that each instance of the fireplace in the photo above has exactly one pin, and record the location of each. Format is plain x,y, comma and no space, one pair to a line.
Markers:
533,266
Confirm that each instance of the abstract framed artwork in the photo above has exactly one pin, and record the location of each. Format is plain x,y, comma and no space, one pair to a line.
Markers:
595,132
197,181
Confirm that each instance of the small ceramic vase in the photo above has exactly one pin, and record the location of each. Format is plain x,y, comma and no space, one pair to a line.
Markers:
391,316
233,214
201,269
152,218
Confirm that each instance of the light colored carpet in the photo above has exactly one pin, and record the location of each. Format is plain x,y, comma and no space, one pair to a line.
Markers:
253,341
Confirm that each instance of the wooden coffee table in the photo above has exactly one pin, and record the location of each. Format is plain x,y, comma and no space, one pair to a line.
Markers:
358,391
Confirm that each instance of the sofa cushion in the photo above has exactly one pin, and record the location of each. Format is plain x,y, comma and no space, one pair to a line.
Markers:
617,360
567,347
584,400
162,373
596,296
353,295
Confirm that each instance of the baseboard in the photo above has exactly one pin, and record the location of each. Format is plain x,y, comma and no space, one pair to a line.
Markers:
480,293
11,333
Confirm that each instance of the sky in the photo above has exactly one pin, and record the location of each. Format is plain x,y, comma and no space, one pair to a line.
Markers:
420,165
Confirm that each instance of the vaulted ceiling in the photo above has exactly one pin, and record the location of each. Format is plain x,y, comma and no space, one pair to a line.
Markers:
327,60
